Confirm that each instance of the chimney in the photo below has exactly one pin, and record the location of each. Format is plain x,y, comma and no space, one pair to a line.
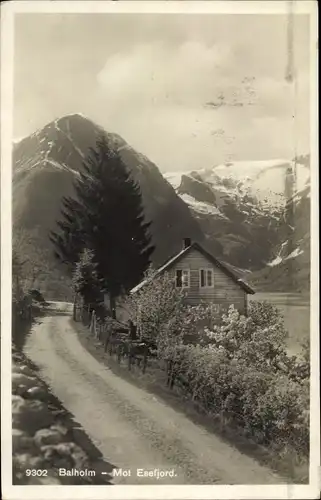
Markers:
186,243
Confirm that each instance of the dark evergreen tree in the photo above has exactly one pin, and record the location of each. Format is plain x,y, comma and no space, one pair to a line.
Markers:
71,239
107,217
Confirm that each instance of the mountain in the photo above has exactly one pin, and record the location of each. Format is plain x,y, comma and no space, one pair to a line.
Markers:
45,165
252,215
290,267
259,213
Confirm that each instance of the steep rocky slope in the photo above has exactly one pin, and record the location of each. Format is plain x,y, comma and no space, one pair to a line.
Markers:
258,212
45,166
243,212
290,267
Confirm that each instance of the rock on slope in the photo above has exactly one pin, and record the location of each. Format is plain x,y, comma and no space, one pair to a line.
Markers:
238,210
254,209
289,269
46,163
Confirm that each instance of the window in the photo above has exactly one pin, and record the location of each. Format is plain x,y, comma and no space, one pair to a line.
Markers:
206,278
182,278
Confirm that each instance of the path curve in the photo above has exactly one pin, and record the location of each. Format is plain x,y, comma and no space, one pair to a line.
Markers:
131,427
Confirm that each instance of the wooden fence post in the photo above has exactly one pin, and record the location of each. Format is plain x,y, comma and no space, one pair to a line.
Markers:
170,374
129,358
107,340
95,326
145,359
173,374
168,370
118,354
74,310
92,323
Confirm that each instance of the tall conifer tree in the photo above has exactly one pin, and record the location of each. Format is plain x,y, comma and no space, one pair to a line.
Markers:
106,216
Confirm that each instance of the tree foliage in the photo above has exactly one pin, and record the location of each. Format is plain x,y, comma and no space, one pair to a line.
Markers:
85,281
161,314
21,301
105,216
17,282
245,375
238,368
155,304
33,261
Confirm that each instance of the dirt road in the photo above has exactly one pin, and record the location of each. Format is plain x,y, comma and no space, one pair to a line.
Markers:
131,427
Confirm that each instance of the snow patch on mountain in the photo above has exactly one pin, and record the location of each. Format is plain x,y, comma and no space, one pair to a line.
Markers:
69,137
294,254
267,181
174,178
282,257
201,207
275,261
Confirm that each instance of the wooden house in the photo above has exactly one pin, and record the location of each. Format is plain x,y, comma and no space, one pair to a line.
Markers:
204,279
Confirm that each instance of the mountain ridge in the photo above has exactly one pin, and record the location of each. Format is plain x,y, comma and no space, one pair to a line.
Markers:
44,168
253,227
217,210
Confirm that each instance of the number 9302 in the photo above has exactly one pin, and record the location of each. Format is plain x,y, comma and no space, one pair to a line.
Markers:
36,472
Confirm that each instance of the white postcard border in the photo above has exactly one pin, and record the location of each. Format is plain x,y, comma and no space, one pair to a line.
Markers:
8,11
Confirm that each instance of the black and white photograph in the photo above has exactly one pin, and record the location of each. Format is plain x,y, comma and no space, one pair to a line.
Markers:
159,287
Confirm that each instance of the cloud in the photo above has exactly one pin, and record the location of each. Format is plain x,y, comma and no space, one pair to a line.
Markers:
149,78
158,73
156,96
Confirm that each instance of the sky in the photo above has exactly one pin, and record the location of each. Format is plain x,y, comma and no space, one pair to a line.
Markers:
188,91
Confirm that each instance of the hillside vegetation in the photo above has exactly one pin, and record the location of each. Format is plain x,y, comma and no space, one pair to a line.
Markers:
236,210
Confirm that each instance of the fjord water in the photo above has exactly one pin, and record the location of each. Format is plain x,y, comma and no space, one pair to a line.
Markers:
295,308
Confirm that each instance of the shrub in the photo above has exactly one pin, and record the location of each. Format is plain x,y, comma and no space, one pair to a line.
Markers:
244,374
85,279
159,312
37,296
156,304
237,368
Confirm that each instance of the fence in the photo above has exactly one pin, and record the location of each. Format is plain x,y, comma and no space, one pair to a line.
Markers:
119,340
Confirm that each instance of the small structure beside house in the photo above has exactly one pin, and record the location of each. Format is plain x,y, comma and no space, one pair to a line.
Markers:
204,279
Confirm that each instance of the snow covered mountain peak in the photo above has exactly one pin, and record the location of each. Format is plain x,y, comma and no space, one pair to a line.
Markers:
251,208
269,182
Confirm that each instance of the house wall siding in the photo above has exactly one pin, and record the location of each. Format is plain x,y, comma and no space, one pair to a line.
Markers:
225,291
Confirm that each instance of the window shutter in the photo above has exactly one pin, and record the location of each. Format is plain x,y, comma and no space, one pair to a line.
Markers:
179,278
202,278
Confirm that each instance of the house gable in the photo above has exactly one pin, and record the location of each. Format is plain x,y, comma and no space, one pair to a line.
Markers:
224,290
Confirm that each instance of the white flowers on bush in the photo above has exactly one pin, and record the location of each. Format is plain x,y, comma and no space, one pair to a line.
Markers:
237,368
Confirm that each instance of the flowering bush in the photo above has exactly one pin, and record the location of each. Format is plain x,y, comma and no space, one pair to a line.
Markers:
244,374
155,304
237,368
159,312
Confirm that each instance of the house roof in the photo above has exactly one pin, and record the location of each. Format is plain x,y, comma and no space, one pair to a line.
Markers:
196,246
